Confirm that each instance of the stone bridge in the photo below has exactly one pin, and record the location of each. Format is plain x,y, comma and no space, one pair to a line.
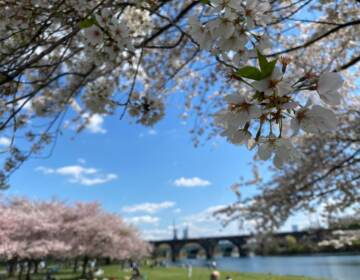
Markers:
209,244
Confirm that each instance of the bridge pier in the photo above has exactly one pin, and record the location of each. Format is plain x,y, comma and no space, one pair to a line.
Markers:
209,247
239,243
175,252
210,253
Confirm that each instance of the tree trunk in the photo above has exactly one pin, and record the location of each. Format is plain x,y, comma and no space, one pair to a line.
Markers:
36,266
28,271
21,270
11,267
75,268
85,263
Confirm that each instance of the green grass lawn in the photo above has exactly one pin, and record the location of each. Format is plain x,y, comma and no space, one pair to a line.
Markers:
115,272
201,274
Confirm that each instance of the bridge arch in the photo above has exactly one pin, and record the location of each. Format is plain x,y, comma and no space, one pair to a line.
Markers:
226,248
239,243
192,250
162,251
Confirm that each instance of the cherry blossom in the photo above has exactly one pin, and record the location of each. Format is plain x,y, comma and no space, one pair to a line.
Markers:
255,12
200,33
226,4
222,27
238,136
314,120
275,84
35,230
242,56
234,42
240,110
94,35
282,149
328,86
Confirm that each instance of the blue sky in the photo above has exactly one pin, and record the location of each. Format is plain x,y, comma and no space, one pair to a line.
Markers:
151,176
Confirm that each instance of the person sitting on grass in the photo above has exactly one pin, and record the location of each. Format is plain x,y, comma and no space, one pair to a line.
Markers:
136,274
98,272
215,275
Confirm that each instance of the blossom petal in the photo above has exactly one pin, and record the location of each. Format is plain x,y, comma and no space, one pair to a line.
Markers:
329,81
265,151
331,97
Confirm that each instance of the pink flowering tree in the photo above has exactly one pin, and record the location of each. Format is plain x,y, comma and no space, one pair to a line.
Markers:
263,74
33,231
92,233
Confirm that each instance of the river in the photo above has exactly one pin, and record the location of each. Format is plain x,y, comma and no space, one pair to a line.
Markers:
334,267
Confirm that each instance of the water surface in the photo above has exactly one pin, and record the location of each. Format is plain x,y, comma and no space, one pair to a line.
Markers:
332,267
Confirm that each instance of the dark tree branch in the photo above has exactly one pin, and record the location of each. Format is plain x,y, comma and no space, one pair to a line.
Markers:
309,43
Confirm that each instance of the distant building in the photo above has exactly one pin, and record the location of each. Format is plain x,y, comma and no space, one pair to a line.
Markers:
186,233
175,236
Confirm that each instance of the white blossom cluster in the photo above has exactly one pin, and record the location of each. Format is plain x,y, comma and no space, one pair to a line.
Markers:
257,118
107,34
98,97
231,28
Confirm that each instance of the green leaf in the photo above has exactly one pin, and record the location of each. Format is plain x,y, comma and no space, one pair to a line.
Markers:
204,1
249,72
267,67
262,60
87,23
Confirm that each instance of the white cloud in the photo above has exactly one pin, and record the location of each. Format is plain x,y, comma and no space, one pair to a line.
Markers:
148,207
156,234
95,124
191,182
80,175
204,223
199,224
75,170
152,132
5,141
143,220
177,210
102,179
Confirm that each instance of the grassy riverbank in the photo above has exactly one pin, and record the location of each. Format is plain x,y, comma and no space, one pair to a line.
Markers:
114,272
